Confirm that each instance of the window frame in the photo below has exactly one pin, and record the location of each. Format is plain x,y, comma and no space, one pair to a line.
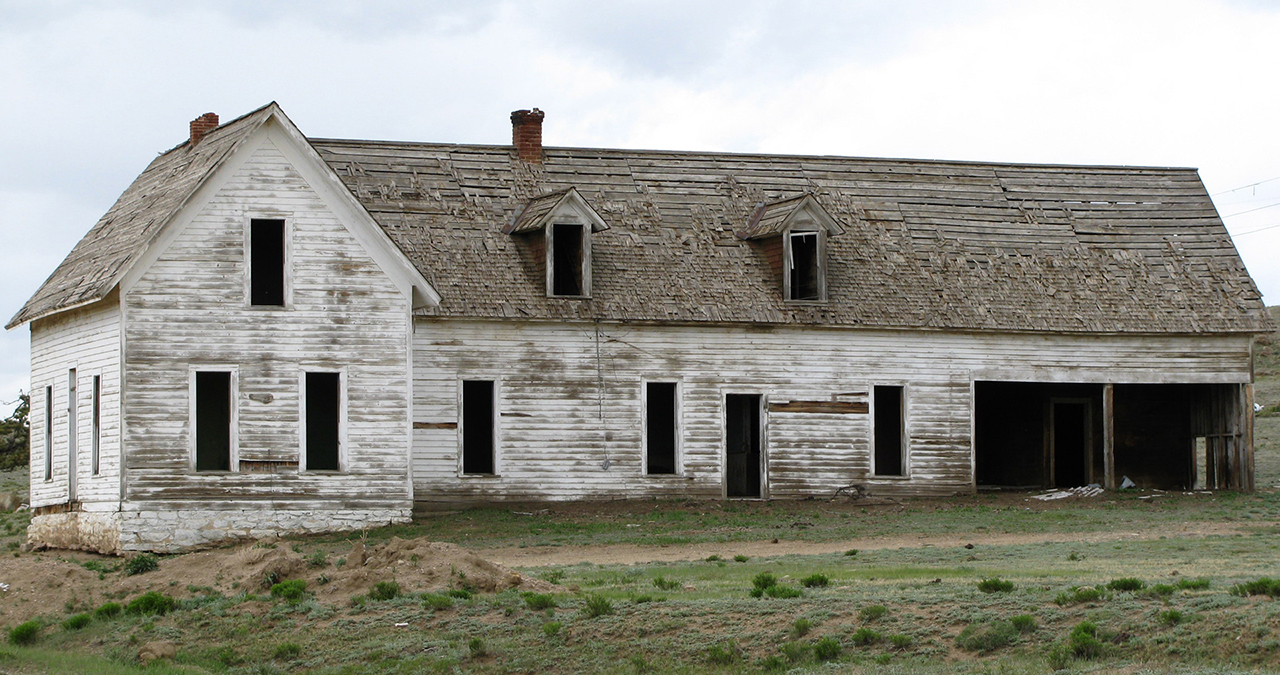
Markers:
233,452
788,259
584,272
677,421
904,442
342,420
95,416
496,415
286,272
48,433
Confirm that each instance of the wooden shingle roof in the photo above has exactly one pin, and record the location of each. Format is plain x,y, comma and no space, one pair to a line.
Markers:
925,244
922,244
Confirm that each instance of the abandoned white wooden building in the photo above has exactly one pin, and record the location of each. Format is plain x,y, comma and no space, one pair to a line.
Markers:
274,333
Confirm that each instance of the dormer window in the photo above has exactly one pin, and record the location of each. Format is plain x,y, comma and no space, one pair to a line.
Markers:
568,255
804,265
793,234
564,223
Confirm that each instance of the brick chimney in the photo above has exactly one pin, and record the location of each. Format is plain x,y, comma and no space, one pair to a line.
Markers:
526,134
203,125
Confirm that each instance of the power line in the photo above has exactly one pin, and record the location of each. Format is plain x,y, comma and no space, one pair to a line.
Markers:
1260,229
1241,213
1244,187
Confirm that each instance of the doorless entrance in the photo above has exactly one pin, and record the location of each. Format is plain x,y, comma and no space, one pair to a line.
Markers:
742,452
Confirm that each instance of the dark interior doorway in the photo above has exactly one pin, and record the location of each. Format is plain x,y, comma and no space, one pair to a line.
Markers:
742,445
1070,447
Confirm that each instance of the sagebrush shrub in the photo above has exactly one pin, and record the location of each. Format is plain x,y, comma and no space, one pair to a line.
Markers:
151,602
436,601
1127,584
1170,617
598,605
827,649
986,637
25,633
384,590
1263,586
293,590
288,650
1024,623
1084,641
801,628
815,581
108,611
141,564
76,622
873,612
995,585
539,601
664,584
901,642
784,592
723,654
865,636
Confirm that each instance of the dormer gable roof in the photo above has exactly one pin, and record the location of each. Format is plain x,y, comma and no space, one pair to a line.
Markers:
560,206
774,218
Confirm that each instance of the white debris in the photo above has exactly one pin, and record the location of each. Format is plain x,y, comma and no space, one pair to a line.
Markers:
1091,490
1126,483
4,588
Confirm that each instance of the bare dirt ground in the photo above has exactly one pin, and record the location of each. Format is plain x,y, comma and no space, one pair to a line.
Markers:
53,582
631,554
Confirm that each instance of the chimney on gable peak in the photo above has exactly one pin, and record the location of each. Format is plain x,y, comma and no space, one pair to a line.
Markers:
526,134
203,125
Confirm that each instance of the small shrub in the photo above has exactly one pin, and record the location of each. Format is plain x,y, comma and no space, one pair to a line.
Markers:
642,598
293,590
598,605
764,580
1024,623
1084,642
773,664
318,559
1059,656
801,628
539,601
901,642
741,558
436,601
25,633
76,622
782,592
851,552
827,649
1127,584
554,577
384,590
1193,584
664,584
865,636
1162,590
551,628
1079,595
995,585
815,581
108,611
477,648
795,652
986,637
713,558
288,650
723,654
141,564
873,612
460,593
151,603
1170,617
1264,586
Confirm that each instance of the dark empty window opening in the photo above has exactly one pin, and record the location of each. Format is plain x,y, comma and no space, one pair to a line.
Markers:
660,427
804,266
95,447
266,268
213,421
888,431
568,247
477,427
48,433
323,412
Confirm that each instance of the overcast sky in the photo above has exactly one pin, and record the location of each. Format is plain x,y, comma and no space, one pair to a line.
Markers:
91,92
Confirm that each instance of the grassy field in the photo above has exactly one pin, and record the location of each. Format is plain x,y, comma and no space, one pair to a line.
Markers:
990,583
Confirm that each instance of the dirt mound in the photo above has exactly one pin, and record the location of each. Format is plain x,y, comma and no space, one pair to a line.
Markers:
53,583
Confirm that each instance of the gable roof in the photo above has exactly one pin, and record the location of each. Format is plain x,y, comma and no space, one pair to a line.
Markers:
126,235
774,218
926,244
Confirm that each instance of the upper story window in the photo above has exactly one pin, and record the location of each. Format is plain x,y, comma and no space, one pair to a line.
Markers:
569,257
564,223
267,262
793,233
804,266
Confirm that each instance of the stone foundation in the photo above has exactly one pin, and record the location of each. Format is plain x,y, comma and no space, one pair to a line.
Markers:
173,531
83,530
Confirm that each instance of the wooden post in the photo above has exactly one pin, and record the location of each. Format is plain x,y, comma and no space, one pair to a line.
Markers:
1109,436
1246,438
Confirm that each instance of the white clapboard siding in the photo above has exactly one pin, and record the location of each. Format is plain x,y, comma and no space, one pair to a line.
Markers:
190,309
569,397
87,339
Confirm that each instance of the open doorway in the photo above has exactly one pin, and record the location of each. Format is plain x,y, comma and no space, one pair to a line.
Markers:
1070,446
743,452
